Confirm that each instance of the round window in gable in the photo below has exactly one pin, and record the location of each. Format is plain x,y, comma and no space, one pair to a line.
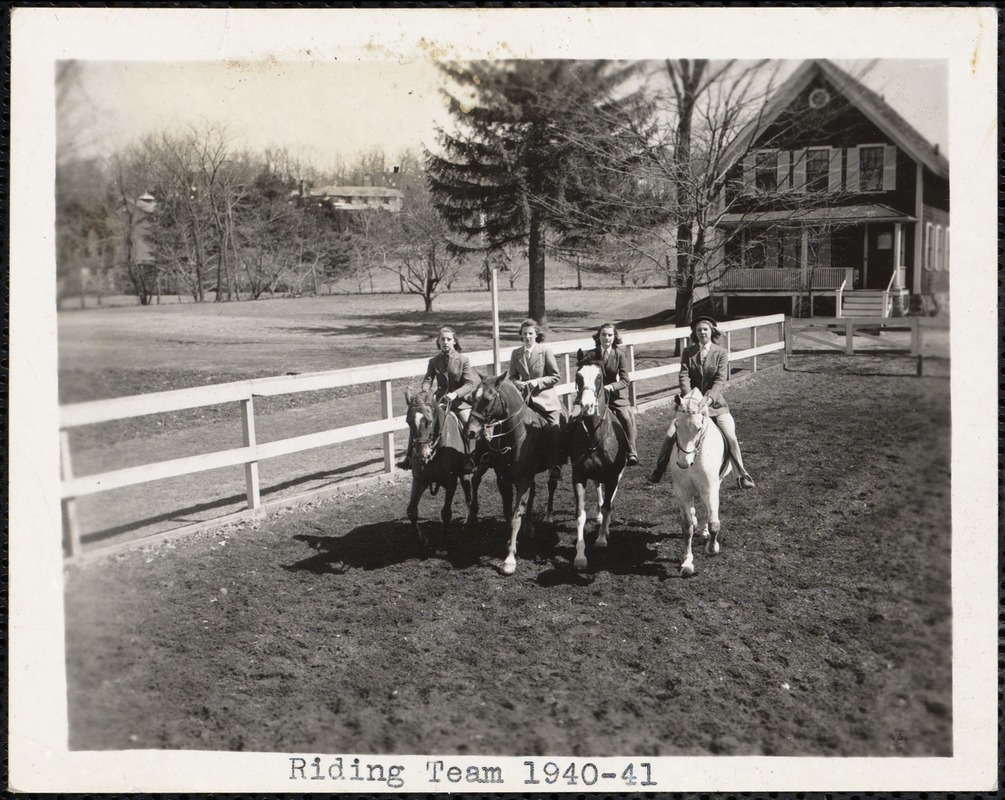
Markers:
819,98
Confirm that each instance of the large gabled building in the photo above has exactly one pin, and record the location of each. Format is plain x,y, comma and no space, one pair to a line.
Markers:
835,197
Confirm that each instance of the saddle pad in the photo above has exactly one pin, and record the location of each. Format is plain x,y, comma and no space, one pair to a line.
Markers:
451,435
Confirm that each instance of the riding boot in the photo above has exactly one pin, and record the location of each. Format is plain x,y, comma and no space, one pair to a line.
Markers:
743,479
663,459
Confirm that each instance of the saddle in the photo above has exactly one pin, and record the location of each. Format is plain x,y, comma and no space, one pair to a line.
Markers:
451,435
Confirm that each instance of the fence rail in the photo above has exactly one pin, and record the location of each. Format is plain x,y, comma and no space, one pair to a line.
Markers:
252,452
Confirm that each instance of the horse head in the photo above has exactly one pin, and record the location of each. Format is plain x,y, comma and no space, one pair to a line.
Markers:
423,423
590,387
691,421
490,404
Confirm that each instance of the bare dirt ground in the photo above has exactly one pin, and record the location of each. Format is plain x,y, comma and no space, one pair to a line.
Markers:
823,627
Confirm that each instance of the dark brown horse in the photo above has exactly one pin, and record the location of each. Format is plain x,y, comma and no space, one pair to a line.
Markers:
520,444
438,460
598,450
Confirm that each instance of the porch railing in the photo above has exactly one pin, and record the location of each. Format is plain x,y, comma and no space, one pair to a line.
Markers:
793,278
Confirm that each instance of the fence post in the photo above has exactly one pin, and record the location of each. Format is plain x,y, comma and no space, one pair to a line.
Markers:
915,336
631,369
849,333
386,412
787,336
250,467
568,379
729,352
71,531
753,346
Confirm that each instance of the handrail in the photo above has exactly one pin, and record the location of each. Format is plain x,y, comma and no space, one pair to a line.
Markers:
93,412
837,295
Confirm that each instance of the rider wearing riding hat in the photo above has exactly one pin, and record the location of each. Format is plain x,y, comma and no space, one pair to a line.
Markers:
454,377
704,365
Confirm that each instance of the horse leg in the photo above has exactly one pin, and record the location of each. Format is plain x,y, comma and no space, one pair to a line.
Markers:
610,490
712,504
418,487
509,565
447,512
600,502
505,487
471,494
528,515
579,490
688,522
554,476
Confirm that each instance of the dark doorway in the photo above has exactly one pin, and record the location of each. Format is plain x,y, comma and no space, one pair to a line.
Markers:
880,256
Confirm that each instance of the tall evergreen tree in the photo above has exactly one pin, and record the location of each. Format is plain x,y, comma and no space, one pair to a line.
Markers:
541,147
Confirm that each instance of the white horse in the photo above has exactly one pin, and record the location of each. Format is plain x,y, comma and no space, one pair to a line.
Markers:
698,463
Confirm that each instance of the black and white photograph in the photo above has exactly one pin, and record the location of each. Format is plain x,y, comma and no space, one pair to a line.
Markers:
525,400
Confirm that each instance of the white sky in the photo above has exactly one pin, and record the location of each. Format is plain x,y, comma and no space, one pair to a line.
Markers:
324,111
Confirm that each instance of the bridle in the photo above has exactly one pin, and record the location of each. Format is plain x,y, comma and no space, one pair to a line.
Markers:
484,419
592,436
701,438
433,441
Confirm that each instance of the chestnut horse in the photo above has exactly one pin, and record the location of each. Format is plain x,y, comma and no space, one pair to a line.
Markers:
520,445
698,463
598,450
435,463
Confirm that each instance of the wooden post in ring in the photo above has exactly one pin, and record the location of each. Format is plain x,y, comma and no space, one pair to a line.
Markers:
631,369
753,346
250,467
71,523
849,332
787,337
568,379
387,412
729,350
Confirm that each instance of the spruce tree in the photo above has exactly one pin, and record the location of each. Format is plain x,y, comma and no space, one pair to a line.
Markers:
541,148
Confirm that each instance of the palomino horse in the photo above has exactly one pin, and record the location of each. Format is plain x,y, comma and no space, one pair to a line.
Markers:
520,445
437,459
598,449
698,464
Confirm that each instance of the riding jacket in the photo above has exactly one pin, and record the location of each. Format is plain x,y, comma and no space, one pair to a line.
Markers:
615,369
709,376
540,370
450,374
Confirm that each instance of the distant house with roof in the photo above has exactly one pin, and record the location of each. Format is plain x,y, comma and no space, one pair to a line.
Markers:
834,196
348,198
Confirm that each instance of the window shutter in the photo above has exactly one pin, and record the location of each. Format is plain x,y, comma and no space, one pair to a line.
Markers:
748,173
782,175
834,170
852,184
799,170
889,168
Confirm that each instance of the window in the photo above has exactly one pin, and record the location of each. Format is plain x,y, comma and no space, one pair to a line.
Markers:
870,166
766,171
817,169
928,260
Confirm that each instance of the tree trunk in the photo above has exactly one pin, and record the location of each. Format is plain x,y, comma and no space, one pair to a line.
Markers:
535,284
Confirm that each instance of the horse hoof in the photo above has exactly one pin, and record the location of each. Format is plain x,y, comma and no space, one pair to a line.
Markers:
508,568
579,562
711,550
600,543
686,570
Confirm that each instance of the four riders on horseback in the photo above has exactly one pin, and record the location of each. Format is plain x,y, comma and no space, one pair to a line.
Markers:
534,370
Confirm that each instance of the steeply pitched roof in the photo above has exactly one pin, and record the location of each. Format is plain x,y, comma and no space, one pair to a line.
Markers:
872,106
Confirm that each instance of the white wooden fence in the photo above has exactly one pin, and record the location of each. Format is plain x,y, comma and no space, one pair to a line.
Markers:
245,392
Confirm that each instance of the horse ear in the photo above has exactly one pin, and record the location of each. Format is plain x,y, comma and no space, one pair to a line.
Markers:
579,356
408,396
676,401
498,379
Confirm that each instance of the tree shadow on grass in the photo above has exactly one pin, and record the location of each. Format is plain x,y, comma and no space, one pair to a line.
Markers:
471,325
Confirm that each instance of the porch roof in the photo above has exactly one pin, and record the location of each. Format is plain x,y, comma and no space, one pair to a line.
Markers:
868,212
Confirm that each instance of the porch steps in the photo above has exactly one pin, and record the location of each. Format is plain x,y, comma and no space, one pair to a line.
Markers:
866,303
